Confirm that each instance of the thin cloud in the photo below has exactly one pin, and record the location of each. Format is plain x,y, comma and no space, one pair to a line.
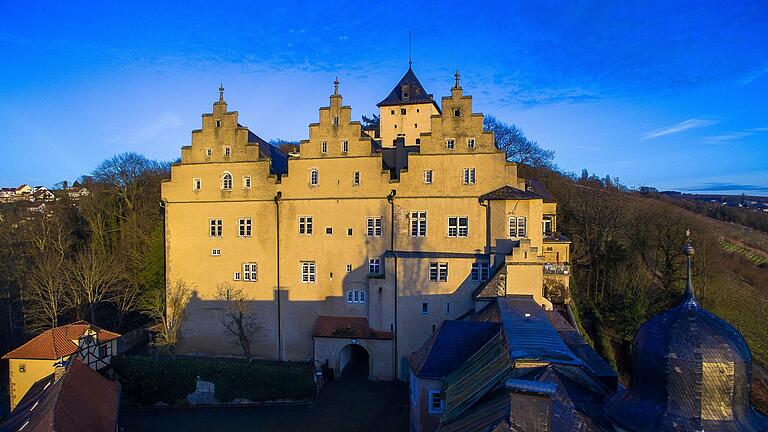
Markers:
711,187
162,125
734,136
693,123
752,76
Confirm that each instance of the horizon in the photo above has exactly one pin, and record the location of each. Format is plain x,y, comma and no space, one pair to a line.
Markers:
667,96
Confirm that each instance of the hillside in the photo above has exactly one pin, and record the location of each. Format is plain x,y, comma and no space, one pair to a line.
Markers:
627,264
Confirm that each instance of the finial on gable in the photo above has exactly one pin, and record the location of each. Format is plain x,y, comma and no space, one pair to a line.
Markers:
688,251
457,76
221,92
336,87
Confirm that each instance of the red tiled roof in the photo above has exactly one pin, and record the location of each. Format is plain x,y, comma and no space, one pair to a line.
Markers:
57,342
80,401
347,327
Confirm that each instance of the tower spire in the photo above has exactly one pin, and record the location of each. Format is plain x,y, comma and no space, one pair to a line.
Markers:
336,87
688,252
410,56
221,92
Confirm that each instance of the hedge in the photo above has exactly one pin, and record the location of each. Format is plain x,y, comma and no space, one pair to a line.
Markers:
147,380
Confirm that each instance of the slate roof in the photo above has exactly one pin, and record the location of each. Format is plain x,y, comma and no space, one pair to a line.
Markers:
447,348
80,401
510,193
279,159
416,92
347,327
57,342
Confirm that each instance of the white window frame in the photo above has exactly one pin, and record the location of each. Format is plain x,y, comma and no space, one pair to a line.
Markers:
208,153
355,178
345,146
547,220
517,227
328,231
418,223
374,266
450,143
236,276
226,181
430,400
306,225
314,177
349,268
471,143
246,182
373,226
455,227
250,272
308,272
356,296
469,177
215,228
216,252
323,147
227,151
481,271
335,120
428,177
197,184
244,227
438,271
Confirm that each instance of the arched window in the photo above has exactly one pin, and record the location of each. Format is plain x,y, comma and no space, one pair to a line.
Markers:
314,177
356,296
226,181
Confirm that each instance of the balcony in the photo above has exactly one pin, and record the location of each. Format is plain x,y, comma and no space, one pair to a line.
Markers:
557,269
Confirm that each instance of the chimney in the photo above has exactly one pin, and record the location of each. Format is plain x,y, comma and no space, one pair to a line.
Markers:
60,368
530,405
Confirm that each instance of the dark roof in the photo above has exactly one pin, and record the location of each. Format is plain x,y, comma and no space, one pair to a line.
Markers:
510,193
278,157
416,92
58,342
80,401
447,348
536,187
347,327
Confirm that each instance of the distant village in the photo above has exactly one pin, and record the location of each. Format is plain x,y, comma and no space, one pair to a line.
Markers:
36,197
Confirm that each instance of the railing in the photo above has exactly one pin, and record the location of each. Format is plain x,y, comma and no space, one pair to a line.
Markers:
557,269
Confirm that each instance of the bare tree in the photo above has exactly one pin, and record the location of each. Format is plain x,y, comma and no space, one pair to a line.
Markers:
124,173
45,293
168,307
239,320
92,276
517,147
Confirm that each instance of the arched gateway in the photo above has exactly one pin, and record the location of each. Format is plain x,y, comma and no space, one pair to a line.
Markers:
354,362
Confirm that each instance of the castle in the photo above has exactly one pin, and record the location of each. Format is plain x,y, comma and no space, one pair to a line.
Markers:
361,244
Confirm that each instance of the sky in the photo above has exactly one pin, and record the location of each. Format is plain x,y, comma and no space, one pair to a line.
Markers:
666,94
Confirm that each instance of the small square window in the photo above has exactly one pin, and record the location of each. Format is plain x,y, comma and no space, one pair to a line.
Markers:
328,230
247,182
236,276
197,184
450,143
402,110
356,178
470,143
415,125
424,308
349,268
208,153
22,368
457,112
335,120
427,176
374,266
215,252
417,110
392,112
349,231
218,123
227,151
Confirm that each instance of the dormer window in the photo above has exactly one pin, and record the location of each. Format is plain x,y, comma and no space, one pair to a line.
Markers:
335,120
456,112
227,151
226,181
217,123
345,146
404,91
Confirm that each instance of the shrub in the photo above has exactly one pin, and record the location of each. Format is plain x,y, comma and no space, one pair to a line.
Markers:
150,379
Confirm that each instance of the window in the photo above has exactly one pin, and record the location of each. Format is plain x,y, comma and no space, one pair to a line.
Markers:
373,227
323,147
356,178
392,112
104,350
305,225
349,268
450,143
335,120
470,143
227,151
208,153
424,308
416,125
546,224
22,368
196,184
236,276
250,272
436,402
349,231
374,266
345,146
469,176
215,228
438,271
418,224
402,110
418,141
215,252
356,296
217,123
480,271
328,230
244,227
226,181
456,112
447,308
307,272
517,227
314,177
458,226
428,176
246,182
417,110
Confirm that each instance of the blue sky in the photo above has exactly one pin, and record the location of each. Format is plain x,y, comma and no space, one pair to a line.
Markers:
667,95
